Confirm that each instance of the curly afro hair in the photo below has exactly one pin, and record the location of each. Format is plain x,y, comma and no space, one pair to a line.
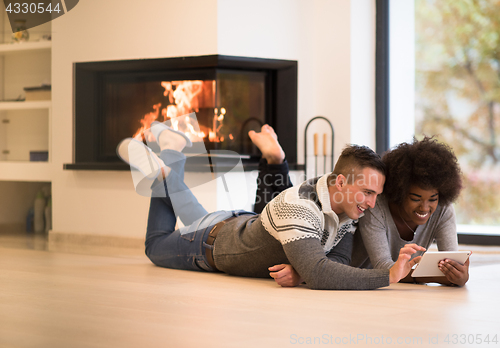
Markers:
427,164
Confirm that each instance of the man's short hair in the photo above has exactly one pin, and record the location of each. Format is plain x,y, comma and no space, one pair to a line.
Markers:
353,159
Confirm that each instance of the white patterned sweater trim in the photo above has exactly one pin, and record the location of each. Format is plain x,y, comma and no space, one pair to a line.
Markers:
304,211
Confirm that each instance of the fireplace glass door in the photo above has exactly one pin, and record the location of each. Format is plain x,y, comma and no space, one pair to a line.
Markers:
220,105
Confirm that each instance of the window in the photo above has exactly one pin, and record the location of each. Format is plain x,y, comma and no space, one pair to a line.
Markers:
444,80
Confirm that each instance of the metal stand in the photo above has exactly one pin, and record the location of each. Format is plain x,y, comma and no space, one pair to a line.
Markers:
316,151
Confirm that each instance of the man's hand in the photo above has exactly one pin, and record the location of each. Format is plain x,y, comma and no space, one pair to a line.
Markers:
454,271
285,275
403,265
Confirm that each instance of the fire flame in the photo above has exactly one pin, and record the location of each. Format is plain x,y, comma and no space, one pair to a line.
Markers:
184,97
146,124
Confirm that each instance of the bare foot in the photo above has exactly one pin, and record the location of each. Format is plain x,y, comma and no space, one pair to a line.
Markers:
267,142
168,138
139,156
171,140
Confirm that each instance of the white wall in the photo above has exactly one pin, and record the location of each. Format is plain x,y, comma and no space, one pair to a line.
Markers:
363,72
317,33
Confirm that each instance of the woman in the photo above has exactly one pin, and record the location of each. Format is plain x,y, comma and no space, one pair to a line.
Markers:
423,179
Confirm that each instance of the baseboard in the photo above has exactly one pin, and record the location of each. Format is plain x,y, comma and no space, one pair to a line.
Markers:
61,238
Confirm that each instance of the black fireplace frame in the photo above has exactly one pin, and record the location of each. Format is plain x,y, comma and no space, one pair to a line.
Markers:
88,84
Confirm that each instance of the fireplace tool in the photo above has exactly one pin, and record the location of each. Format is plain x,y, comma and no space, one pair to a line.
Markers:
326,136
315,154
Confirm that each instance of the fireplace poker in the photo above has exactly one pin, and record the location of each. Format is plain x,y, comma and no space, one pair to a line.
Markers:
315,154
226,188
324,153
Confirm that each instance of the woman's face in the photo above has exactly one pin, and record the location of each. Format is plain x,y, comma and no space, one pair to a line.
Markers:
420,204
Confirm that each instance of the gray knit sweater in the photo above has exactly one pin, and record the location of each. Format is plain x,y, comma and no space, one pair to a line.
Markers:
300,228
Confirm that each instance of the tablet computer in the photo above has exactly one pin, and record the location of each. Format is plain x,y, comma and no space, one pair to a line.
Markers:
428,265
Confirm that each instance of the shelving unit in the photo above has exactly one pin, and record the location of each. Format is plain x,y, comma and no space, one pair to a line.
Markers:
25,126
26,171
24,47
26,105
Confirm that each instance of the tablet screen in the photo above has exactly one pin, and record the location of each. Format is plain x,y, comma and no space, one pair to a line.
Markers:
428,265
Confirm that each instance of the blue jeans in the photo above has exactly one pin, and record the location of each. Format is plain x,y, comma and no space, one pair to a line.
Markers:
183,248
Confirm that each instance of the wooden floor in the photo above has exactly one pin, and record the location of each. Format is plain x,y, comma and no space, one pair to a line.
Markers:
66,299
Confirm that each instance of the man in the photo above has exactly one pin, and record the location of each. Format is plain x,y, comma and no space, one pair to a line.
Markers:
309,226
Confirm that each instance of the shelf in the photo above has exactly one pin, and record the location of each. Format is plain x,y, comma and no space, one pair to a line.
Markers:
26,105
25,47
25,171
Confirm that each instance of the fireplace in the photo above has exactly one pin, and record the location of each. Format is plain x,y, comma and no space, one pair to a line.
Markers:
227,96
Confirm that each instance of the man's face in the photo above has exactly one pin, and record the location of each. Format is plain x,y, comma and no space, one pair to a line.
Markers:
356,197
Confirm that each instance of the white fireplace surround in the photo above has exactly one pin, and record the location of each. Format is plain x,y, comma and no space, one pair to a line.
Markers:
332,40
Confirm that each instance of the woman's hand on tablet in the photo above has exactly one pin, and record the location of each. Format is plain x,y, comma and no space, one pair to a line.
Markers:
454,271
